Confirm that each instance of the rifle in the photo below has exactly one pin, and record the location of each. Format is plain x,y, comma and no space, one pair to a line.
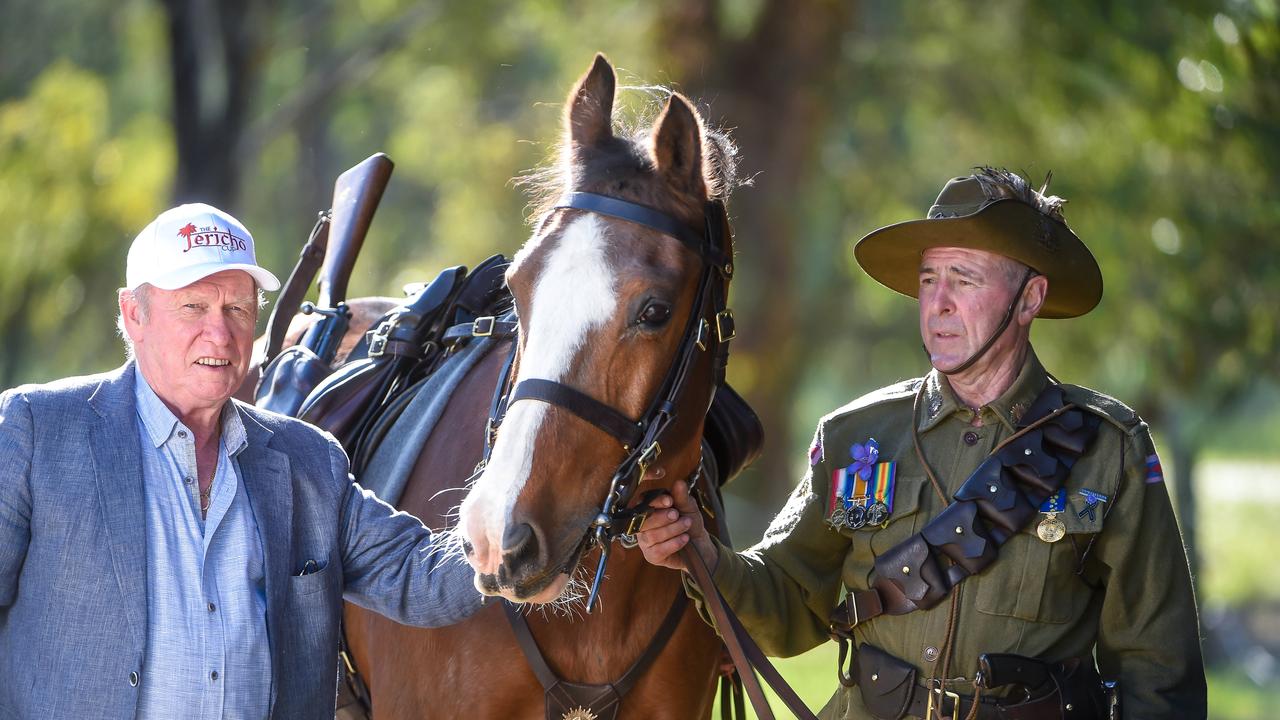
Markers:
355,198
292,374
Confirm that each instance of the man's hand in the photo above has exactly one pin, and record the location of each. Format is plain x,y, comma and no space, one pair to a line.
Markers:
674,522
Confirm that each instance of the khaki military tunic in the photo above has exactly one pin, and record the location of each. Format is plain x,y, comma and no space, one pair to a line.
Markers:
1117,584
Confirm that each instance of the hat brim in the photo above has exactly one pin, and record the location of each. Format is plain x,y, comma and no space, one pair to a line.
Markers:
183,277
891,254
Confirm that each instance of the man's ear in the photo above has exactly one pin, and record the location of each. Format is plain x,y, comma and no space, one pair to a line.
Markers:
1033,299
131,312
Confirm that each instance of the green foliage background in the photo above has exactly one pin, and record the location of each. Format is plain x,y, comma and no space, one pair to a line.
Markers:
1159,119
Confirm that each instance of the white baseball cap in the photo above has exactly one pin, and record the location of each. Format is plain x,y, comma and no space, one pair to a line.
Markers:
190,242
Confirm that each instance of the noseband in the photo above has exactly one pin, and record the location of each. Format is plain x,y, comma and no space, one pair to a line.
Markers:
709,328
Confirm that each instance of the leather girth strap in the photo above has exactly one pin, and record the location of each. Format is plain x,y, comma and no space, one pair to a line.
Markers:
1000,498
603,701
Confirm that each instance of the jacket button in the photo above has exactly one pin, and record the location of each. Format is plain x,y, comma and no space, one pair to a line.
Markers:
971,438
133,679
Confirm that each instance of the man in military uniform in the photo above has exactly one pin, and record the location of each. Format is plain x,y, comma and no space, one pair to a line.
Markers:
984,534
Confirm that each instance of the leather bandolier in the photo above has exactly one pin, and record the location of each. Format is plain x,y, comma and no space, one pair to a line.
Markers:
998,499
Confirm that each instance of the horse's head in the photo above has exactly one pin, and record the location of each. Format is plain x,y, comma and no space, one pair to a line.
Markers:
604,306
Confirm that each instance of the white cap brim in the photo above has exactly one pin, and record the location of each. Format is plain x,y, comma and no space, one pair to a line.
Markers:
184,276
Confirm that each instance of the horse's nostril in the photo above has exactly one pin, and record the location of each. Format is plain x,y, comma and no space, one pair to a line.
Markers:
519,545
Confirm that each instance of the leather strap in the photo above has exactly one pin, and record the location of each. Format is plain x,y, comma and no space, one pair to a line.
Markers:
624,430
548,679
295,288
486,326
747,656
641,215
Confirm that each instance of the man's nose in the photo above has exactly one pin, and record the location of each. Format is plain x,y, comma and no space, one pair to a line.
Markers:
217,328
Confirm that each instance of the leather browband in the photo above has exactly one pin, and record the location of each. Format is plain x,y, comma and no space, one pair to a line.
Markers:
641,215
626,431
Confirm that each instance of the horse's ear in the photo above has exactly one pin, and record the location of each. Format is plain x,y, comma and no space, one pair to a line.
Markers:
677,146
589,111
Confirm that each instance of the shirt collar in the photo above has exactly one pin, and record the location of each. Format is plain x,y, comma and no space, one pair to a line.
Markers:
160,422
939,400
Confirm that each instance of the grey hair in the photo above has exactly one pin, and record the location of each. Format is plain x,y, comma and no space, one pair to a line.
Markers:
142,294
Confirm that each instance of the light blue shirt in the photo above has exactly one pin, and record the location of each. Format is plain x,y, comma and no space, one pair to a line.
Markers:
207,653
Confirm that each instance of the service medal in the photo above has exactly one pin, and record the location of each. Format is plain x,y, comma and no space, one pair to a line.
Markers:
1051,529
856,517
838,518
877,513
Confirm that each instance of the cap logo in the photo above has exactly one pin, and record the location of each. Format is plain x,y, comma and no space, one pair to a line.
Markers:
211,237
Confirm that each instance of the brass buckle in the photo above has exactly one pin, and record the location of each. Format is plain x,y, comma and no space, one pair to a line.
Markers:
346,659
633,525
483,326
941,693
647,457
725,326
701,339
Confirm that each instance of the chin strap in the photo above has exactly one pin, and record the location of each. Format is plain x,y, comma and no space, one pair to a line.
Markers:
1004,324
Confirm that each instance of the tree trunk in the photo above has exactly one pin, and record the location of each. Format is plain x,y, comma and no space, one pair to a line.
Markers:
772,88
213,51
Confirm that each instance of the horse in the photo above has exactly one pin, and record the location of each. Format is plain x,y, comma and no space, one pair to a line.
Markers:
610,305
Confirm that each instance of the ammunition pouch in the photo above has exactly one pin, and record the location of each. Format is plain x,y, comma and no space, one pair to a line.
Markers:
1068,690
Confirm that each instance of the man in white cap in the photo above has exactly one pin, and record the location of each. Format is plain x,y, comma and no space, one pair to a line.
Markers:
167,553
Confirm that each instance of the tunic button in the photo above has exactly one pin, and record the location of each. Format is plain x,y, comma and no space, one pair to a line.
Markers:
930,654
133,679
971,438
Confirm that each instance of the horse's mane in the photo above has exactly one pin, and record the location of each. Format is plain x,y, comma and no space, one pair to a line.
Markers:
546,183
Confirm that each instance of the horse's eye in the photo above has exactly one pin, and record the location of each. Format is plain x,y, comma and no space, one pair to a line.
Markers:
654,315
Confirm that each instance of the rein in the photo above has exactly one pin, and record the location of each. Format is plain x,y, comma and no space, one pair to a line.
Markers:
709,328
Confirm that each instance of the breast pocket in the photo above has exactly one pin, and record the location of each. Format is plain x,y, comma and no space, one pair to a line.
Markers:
869,541
1036,580
312,577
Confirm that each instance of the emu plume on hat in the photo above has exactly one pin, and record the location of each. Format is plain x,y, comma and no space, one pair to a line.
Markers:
997,211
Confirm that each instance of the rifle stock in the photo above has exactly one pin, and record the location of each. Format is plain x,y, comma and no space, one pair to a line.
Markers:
356,194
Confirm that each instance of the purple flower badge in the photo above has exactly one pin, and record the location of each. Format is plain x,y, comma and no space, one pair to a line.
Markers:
865,456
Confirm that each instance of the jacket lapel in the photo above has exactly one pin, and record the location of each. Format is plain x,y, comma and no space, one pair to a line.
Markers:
117,466
265,474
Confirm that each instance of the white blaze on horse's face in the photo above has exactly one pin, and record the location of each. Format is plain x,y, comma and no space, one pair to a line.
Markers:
574,295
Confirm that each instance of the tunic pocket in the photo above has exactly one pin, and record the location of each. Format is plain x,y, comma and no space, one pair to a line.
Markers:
1036,580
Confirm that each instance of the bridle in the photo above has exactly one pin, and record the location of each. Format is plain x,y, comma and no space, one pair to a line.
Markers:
709,328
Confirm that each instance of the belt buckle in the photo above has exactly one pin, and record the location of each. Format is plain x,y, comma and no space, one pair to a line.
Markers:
483,326
378,339
941,694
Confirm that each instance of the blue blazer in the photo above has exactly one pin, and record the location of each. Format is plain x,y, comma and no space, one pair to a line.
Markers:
73,560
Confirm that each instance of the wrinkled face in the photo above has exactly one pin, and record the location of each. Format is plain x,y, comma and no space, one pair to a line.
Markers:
602,306
964,295
194,344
